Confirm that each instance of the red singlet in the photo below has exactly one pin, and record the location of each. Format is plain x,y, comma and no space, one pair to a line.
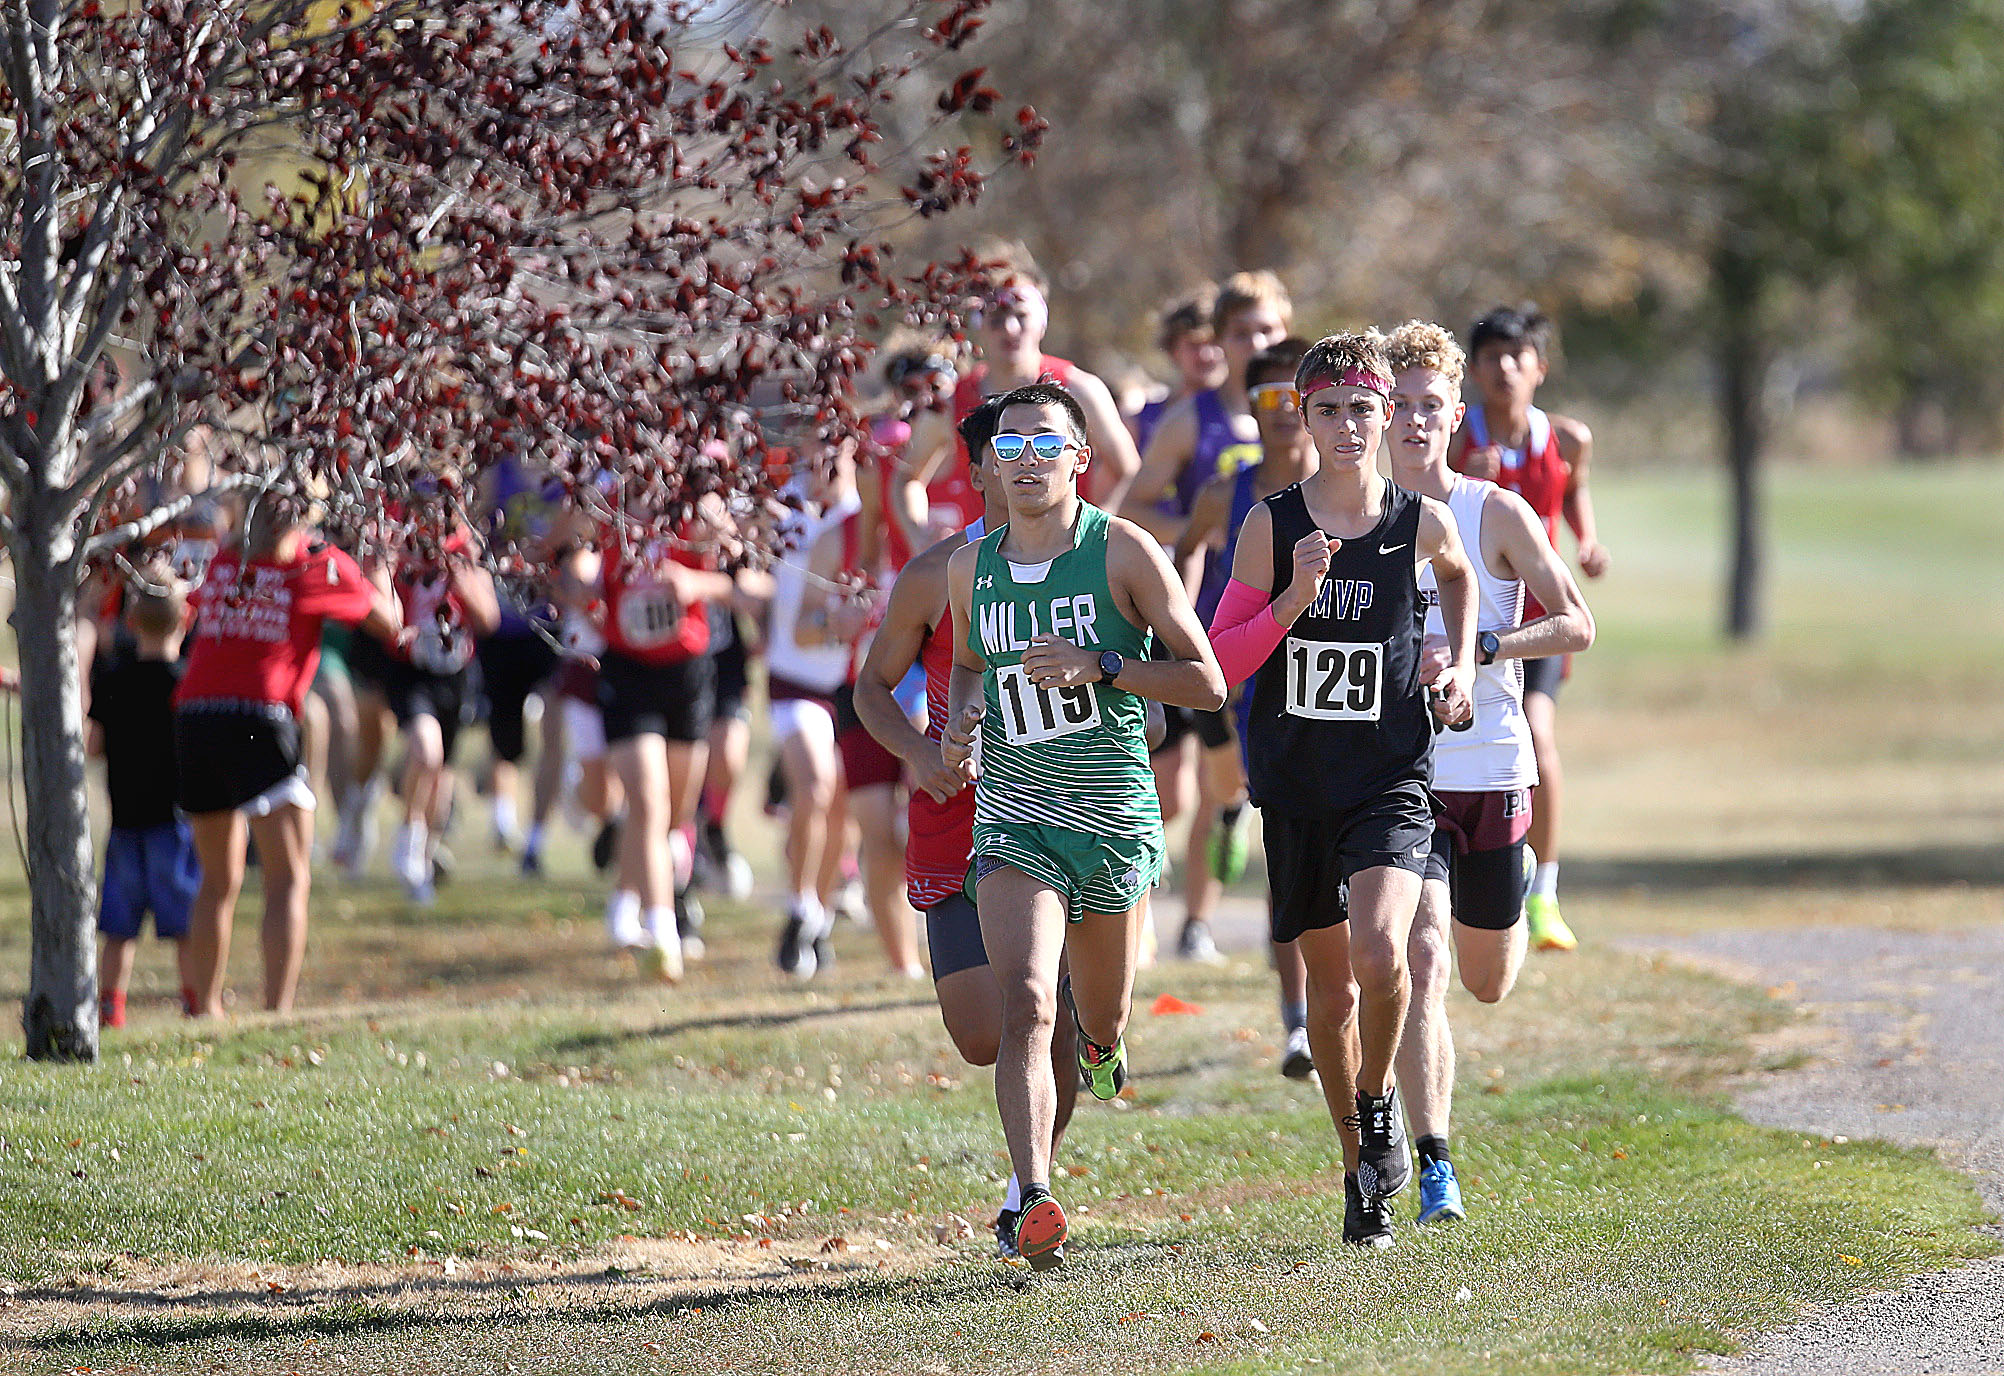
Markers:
953,488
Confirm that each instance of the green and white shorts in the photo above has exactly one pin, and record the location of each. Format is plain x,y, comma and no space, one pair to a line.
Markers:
1096,874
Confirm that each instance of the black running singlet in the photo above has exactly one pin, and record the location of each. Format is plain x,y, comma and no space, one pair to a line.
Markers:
1338,714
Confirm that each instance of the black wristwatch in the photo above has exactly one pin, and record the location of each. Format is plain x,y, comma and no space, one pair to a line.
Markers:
1110,665
1487,643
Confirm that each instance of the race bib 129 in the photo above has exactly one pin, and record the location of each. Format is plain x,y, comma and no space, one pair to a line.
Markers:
1333,680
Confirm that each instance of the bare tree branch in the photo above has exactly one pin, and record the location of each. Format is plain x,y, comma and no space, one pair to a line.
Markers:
143,526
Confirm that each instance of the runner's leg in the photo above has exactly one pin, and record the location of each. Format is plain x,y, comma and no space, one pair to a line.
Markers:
1383,902
219,846
284,839
876,809
1023,929
1332,1026
1426,1050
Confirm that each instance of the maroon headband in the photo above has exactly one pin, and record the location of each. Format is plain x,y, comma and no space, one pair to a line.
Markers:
1352,376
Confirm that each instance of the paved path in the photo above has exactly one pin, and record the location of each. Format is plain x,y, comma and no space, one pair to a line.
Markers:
1914,1054
1911,1051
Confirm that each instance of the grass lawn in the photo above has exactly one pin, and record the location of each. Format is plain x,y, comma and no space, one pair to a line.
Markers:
482,1146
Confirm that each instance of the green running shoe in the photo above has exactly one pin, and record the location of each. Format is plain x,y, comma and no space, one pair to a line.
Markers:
1548,931
1231,844
1103,1070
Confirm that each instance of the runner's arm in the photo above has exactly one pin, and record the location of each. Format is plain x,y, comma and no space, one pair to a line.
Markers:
1245,628
474,587
1576,448
1202,531
1112,446
930,445
1440,545
820,622
1170,448
1138,572
1567,626
964,705
918,596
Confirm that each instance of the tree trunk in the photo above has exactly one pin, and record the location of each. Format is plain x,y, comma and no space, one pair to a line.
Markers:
60,1018
1743,379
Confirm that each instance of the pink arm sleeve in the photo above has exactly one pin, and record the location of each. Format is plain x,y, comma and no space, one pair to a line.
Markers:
1244,631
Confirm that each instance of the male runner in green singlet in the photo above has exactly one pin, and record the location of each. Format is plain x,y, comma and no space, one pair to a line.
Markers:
1052,616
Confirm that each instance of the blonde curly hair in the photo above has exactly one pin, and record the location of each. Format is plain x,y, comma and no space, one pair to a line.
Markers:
1423,344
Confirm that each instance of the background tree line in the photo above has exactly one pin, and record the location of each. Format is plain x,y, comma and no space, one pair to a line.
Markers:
1727,204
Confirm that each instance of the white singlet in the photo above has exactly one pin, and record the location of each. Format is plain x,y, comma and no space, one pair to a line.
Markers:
819,668
1495,753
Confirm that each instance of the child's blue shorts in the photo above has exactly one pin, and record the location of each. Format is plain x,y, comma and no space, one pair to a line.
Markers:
149,868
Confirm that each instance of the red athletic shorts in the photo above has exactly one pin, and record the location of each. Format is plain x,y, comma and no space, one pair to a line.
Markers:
940,837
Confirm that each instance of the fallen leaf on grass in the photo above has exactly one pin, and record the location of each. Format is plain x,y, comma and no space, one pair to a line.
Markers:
1850,1260
835,1244
953,1228
1166,1004
1207,1336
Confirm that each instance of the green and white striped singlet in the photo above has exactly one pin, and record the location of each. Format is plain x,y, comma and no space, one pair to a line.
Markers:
1064,757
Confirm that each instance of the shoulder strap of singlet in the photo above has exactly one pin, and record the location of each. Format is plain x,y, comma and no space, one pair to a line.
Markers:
1477,427
1287,508
1539,436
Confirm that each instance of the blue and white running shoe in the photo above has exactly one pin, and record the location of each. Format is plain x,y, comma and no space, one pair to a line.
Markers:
1440,1194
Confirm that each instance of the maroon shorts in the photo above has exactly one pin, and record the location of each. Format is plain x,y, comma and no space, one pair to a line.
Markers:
1484,821
865,762
1478,852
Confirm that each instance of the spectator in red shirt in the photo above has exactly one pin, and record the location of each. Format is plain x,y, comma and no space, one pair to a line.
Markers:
236,732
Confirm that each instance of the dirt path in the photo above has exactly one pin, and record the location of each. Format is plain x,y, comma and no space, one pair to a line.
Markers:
1909,1047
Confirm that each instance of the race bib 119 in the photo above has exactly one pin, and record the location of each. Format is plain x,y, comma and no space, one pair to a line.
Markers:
1031,714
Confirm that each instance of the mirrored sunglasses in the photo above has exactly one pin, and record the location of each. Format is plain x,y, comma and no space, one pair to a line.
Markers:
1046,445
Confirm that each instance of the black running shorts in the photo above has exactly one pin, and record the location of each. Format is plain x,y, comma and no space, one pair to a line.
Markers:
228,753
446,698
671,700
953,935
1544,676
513,665
1310,858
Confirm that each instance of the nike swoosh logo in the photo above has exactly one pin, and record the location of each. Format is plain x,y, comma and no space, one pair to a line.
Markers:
1390,549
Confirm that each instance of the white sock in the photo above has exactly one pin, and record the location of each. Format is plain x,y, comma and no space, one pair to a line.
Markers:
1546,883
622,916
1013,1197
660,924
505,820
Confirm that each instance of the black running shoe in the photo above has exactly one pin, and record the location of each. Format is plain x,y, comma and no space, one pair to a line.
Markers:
1384,1165
1005,1235
689,926
1196,943
1366,1222
796,945
1299,1061
605,845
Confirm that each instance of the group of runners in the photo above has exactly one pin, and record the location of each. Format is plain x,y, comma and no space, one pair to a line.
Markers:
1319,578
1309,582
